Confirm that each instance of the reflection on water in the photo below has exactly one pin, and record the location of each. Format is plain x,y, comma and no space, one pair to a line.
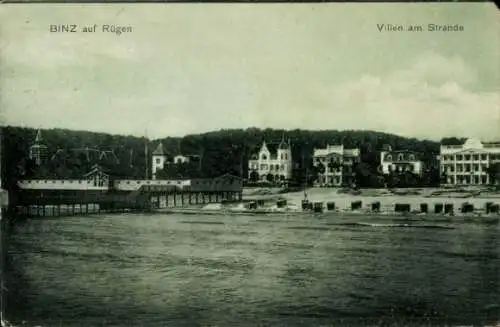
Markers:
168,270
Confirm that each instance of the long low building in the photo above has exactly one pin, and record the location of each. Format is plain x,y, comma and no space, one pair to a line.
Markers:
97,180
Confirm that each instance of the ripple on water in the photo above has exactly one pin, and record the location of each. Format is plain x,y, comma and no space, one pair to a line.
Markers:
241,271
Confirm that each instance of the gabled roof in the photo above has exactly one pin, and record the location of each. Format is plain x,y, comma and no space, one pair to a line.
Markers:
229,176
38,138
284,145
159,151
271,147
95,169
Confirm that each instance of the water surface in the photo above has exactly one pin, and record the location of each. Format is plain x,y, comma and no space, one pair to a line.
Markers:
194,270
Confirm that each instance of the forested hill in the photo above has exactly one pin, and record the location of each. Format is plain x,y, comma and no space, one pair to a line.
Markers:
221,151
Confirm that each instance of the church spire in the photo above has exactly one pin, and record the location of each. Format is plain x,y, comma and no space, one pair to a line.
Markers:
38,151
38,138
283,144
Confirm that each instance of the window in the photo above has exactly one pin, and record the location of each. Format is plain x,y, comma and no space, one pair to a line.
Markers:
483,157
476,167
476,157
282,156
412,157
400,157
263,157
158,160
286,156
459,157
389,157
467,157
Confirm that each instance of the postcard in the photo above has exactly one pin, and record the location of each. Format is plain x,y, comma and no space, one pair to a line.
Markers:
250,164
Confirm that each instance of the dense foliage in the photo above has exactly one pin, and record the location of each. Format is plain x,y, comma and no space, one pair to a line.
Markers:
220,152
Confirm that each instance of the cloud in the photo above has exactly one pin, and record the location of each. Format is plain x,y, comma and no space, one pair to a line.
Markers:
430,98
183,70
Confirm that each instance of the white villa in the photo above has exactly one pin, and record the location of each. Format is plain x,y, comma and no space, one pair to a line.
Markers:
335,165
400,161
467,164
272,163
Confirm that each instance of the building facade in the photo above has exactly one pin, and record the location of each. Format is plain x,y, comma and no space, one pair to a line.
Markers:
335,165
468,164
273,163
159,160
392,161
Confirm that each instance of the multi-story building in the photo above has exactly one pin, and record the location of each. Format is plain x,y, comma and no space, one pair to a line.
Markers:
468,164
272,163
335,165
393,161
38,151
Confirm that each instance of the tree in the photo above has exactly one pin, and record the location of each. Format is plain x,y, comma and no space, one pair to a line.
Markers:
494,173
223,151
254,176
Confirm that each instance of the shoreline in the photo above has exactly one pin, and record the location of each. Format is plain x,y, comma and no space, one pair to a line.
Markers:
407,217
425,192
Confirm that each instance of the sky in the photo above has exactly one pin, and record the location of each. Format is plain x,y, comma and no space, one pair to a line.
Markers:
193,68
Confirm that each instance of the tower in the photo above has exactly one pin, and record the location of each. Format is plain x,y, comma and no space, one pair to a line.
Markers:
285,158
38,151
159,159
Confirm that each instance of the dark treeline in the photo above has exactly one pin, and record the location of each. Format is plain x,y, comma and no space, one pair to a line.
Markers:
220,152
